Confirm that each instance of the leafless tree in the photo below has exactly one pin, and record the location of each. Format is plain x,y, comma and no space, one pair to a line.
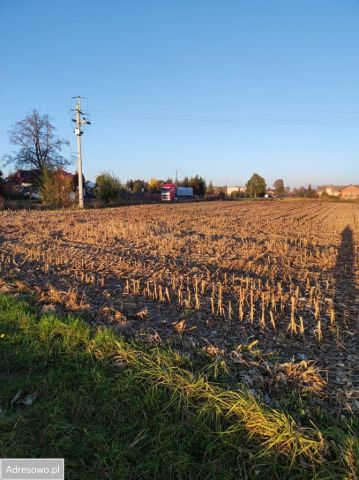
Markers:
40,148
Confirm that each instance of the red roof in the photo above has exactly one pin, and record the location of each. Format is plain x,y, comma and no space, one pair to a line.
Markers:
25,176
31,177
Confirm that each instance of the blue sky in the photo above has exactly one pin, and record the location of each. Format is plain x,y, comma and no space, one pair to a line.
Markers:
219,88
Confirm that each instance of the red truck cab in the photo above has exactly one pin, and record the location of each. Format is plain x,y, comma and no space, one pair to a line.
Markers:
168,192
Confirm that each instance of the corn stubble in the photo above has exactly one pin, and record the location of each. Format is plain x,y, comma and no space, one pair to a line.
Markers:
272,268
282,270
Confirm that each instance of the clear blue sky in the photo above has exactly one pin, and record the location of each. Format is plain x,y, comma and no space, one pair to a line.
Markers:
220,88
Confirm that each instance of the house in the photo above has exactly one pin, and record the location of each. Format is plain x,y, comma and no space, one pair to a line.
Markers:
236,188
332,190
61,173
351,192
231,190
24,178
26,182
270,193
345,192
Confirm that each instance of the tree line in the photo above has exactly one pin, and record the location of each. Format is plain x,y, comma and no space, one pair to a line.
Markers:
108,186
40,150
154,185
257,187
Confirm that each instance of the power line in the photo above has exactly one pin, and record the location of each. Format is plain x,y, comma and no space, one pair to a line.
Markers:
249,108
228,119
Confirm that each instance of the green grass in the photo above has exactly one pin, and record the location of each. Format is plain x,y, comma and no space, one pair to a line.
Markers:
115,410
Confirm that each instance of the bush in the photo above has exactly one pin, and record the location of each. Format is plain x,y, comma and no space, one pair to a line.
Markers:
56,188
107,187
2,203
328,198
236,195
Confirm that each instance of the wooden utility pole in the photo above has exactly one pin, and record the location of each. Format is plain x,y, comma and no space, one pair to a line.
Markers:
79,120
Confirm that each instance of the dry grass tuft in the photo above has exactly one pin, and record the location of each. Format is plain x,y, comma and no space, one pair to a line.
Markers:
303,375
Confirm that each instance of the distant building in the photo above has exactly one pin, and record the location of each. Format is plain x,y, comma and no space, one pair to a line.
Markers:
24,182
345,192
350,192
332,190
270,193
24,178
236,188
27,182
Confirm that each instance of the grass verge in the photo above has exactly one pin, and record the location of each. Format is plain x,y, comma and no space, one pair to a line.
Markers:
116,410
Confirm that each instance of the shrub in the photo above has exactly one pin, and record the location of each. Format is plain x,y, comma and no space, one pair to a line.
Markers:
56,188
107,187
235,195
